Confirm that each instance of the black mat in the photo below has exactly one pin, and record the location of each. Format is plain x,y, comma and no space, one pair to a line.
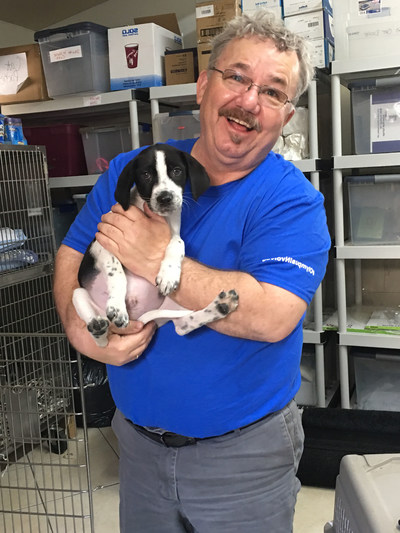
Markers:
332,433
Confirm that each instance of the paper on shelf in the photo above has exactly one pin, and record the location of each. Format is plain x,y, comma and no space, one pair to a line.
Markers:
13,73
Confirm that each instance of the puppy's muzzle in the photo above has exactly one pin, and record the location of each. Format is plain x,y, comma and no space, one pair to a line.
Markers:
167,202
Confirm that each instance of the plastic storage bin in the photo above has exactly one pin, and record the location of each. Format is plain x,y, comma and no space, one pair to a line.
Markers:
176,125
64,148
374,203
103,144
75,59
367,494
376,115
377,381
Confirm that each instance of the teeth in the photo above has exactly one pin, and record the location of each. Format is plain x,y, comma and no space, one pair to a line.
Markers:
241,122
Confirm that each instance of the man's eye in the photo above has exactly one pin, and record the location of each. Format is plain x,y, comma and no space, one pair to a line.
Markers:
236,77
272,93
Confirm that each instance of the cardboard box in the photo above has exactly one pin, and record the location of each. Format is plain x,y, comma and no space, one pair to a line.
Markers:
212,16
181,66
167,21
312,26
137,55
294,7
29,88
203,55
274,6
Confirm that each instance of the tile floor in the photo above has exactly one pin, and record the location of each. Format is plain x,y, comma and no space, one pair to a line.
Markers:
314,506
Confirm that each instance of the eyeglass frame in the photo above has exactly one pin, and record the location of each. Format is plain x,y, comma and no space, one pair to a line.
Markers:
252,84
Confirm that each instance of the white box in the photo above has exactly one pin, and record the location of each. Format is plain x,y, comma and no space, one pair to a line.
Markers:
322,53
366,29
312,26
137,55
274,6
294,7
367,494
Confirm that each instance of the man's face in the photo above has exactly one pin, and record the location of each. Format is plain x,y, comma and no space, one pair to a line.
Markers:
235,128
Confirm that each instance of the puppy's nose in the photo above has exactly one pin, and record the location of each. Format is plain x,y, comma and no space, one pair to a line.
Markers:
165,198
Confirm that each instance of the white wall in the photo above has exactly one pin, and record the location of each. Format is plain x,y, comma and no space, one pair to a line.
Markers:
11,35
112,14
116,13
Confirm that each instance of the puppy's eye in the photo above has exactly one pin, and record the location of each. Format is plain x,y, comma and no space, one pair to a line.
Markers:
176,172
146,176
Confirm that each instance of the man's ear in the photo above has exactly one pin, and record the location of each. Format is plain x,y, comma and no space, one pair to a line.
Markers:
202,81
289,116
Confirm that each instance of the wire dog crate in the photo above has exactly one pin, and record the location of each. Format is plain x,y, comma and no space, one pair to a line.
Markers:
45,478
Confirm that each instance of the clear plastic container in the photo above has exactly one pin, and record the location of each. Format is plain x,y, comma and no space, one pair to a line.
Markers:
176,125
103,144
75,59
374,204
378,382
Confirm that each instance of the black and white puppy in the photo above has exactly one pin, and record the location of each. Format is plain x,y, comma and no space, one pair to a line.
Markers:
110,293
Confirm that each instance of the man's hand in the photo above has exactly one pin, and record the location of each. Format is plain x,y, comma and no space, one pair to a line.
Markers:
138,239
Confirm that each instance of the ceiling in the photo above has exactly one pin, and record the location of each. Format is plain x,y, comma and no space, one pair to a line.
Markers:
40,14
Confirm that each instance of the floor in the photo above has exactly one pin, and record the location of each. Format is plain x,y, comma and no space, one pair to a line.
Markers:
66,472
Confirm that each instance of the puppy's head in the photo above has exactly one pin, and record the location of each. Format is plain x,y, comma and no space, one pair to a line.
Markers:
160,173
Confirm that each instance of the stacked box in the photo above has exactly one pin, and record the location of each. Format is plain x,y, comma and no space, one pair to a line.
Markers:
274,6
137,55
368,29
210,20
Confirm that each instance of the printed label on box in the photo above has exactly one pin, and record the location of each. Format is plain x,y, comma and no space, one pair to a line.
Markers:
370,6
385,121
205,11
63,54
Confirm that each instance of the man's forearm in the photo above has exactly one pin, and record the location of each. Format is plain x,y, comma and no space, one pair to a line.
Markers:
265,313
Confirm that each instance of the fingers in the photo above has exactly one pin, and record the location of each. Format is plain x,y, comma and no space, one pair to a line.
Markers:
126,348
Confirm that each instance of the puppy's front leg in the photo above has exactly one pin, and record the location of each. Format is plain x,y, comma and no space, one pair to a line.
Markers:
116,285
169,275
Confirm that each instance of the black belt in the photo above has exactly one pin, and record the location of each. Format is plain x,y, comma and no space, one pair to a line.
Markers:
173,440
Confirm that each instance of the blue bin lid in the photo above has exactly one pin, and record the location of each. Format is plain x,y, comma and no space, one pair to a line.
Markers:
71,28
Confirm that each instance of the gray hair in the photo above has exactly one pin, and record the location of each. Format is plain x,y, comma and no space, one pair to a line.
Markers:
264,25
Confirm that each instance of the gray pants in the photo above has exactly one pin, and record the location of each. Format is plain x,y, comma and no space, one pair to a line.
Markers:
243,482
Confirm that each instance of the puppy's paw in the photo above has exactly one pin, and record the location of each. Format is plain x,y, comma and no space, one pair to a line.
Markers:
168,278
226,302
117,316
98,328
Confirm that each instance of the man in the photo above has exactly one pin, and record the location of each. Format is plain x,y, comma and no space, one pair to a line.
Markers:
210,437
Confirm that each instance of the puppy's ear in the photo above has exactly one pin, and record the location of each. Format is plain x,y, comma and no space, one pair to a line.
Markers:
199,180
125,183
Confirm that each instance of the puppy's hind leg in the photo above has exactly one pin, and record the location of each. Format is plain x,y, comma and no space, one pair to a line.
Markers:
90,314
224,303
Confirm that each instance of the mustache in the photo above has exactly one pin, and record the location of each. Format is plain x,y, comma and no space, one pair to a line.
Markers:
243,116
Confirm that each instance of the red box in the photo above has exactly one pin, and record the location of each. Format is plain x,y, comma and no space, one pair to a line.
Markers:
64,148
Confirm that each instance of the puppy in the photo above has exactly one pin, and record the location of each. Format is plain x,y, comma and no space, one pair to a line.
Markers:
110,293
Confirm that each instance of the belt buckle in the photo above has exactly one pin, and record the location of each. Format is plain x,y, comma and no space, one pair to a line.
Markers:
171,440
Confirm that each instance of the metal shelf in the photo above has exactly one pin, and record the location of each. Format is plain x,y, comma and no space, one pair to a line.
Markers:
351,251
370,340
73,181
366,67
75,102
367,161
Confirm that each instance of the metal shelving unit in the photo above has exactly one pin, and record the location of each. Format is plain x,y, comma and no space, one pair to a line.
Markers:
342,73
99,107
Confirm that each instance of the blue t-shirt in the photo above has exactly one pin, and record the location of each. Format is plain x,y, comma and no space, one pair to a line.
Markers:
271,224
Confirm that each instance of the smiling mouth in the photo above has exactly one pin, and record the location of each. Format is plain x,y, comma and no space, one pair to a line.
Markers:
245,120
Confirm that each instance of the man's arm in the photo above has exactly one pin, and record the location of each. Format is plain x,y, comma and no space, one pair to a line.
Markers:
266,312
123,347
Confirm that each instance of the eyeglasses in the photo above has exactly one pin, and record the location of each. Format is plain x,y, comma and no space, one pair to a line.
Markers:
239,83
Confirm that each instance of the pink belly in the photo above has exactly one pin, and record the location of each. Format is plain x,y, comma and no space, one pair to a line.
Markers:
141,296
